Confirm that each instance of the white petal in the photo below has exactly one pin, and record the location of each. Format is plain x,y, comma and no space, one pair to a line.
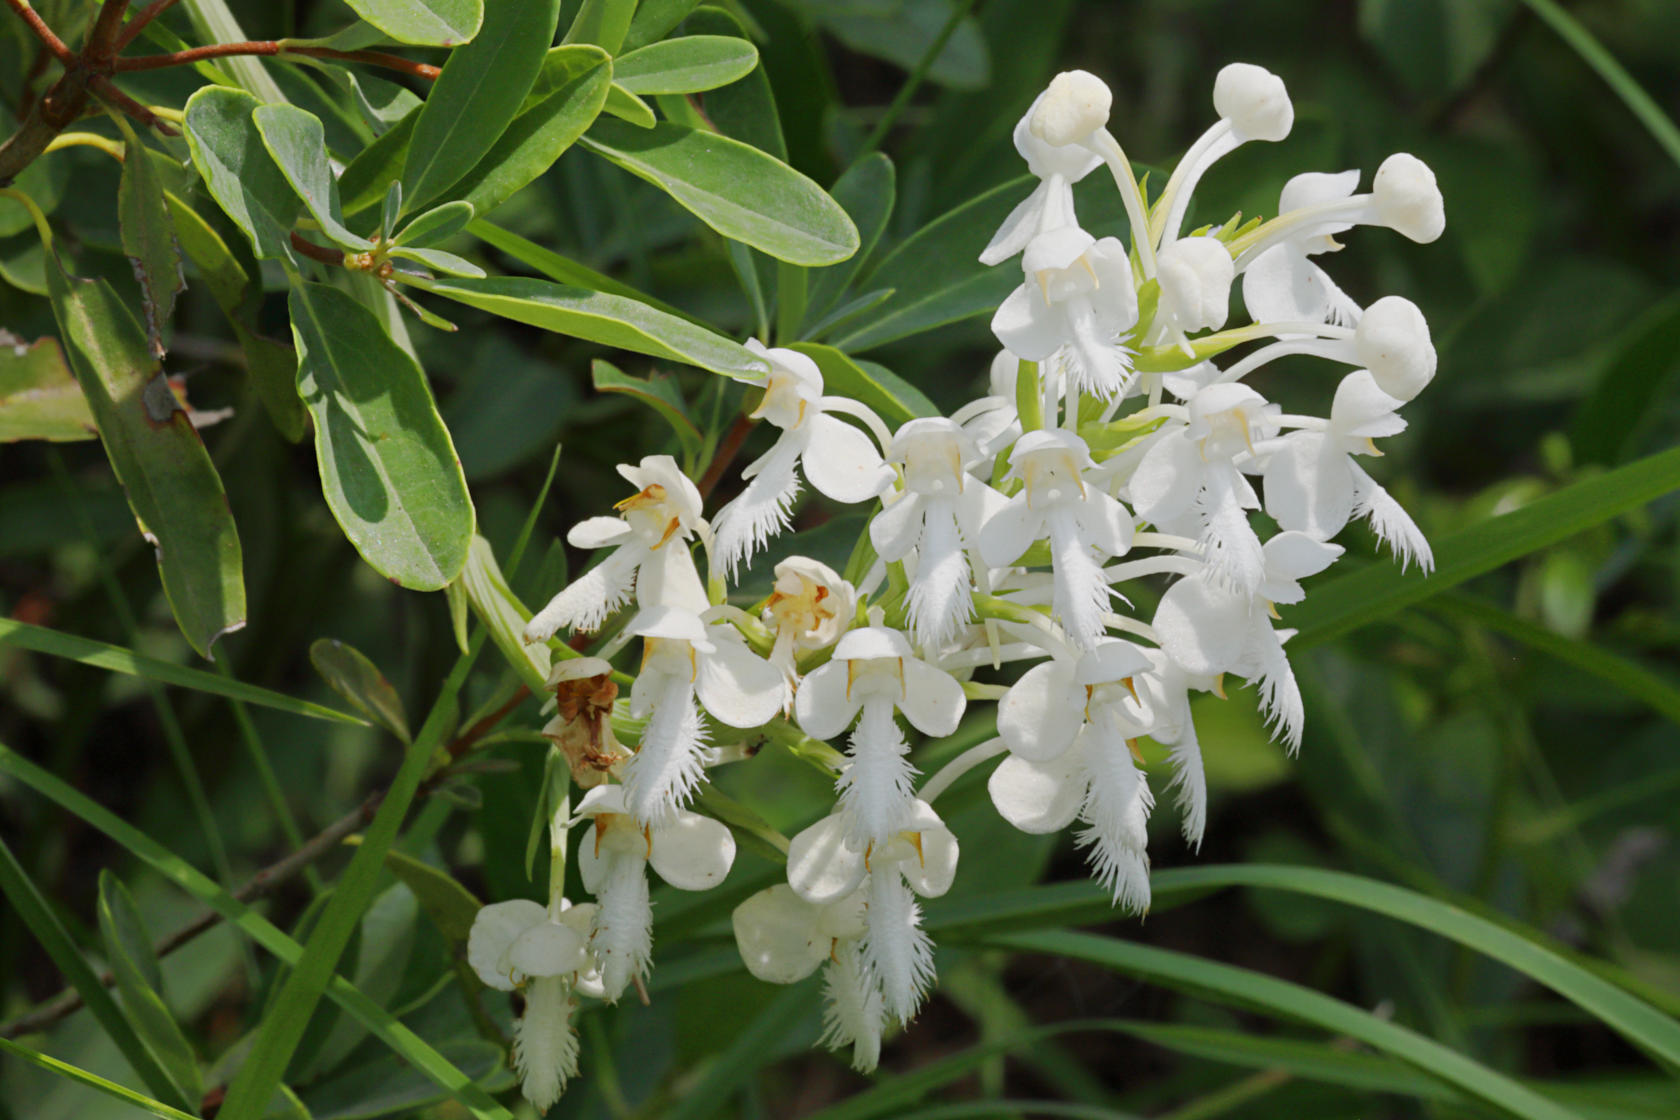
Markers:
1390,522
877,790
821,704
1039,797
1028,326
1295,556
591,865
623,934
822,867
1282,286
586,602
941,598
1017,229
1201,627
1167,478
1308,485
598,532
1362,410
494,930
842,462
1105,523
739,687
933,701
1010,532
931,873
545,1051
1042,712
776,932
663,773
895,530
548,949
1117,810
692,853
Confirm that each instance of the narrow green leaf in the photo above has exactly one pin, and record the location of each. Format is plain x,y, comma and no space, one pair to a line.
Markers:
92,1081
739,1063
423,23
739,191
439,261
242,177
476,96
627,107
451,906
297,142
128,950
1348,602
148,240
893,398
172,486
691,64
564,270
436,225
37,915
599,317
867,191
39,397
368,178
391,211
1252,989
504,616
349,672
389,1030
602,22
658,393
387,465
116,659
655,19
565,100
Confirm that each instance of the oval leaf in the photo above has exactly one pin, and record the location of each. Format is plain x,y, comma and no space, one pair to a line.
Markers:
436,226
423,23
349,672
476,96
868,383
148,241
297,142
687,65
736,189
242,177
39,398
387,465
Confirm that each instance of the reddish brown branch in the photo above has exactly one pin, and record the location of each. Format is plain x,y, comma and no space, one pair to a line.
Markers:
36,24
465,741
272,47
317,252
101,44
138,24
728,447
38,67
107,90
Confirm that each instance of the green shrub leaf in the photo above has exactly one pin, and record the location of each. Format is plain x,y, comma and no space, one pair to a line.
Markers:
423,23
687,65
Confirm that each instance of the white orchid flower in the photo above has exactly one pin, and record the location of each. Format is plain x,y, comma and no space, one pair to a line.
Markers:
1392,341
1208,628
809,607
1081,523
872,675
1190,480
1050,138
1071,728
938,515
520,944
1164,691
684,660
1313,485
826,865
839,460
1076,301
1195,276
1404,197
1282,284
649,540
688,851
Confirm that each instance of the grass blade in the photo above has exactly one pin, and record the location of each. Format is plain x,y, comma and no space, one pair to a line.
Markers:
92,1081
116,659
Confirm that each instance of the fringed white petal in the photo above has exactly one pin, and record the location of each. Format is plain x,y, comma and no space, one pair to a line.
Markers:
853,1013
1189,784
623,932
1229,544
761,510
896,950
1267,665
661,776
588,600
877,795
1391,523
1081,591
940,599
545,1051
1117,806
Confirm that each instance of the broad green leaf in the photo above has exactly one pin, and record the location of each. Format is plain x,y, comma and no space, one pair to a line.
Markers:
476,96
367,179
599,317
116,659
736,189
867,191
242,177
349,672
387,466
39,397
423,23
744,110
687,65
504,616
36,914
566,99
128,950
387,1086
564,270
1618,414
1252,989
387,1028
1348,602
272,365
602,22
148,241
893,398
92,1081
626,106
658,393
451,906
172,486
297,143
655,19
435,226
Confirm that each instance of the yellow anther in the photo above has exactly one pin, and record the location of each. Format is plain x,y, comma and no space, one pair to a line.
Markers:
1219,687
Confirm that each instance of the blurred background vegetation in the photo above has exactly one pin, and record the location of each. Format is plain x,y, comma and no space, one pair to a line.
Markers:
1493,744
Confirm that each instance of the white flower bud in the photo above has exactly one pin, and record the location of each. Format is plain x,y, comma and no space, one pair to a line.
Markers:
1407,199
1393,341
1195,275
1075,105
1254,100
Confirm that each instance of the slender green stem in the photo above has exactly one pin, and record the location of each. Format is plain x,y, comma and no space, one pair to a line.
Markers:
959,12
252,740
1029,396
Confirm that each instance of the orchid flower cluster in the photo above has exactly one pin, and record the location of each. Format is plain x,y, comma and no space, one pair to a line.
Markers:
1112,446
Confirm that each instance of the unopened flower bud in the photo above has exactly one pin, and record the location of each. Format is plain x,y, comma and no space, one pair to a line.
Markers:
1196,275
1254,100
1407,198
1393,341
1075,105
